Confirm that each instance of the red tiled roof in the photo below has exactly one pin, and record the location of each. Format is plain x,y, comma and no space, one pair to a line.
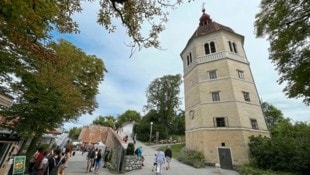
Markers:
93,134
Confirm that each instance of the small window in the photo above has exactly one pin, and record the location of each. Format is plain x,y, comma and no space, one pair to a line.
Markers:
187,59
230,47
216,96
246,96
254,124
235,48
240,74
212,74
220,121
190,57
212,45
207,49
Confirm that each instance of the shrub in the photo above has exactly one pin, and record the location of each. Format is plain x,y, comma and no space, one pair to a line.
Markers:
193,158
130,149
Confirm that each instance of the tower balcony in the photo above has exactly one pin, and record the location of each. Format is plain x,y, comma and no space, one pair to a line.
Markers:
214,57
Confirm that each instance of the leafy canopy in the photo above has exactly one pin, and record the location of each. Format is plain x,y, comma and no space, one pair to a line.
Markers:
288,148
108,121
287,25
26,23
129,115
163,97
48,93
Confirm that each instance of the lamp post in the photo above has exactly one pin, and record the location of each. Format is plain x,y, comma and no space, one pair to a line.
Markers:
151,132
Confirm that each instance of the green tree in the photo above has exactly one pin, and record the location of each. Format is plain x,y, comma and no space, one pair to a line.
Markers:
129,115
49,93
25,24
74,133
288,147
287,25
178,124
272,115
108,121
142,129
163,97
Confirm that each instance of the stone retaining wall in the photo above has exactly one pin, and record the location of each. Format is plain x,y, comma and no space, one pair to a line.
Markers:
131,163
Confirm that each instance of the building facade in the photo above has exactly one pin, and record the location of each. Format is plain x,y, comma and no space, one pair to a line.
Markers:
222,105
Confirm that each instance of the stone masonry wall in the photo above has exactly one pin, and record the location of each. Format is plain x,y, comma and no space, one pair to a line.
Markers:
131,163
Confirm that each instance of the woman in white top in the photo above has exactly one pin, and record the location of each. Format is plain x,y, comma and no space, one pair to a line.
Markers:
160,159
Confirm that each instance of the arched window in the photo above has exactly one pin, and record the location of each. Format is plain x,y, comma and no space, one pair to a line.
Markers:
232,46
210,48
212,45
235,48
187,59
207,48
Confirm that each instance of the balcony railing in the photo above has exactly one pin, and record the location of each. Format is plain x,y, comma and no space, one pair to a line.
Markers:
213,57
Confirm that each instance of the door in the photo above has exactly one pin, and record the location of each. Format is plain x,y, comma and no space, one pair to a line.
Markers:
225,158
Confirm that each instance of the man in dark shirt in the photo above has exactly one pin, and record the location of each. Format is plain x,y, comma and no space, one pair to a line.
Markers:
168,155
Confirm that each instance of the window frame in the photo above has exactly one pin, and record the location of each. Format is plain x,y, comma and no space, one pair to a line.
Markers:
212,74
207,48
220,122
246,96
240,74
254,123
216,96
212,47
232,47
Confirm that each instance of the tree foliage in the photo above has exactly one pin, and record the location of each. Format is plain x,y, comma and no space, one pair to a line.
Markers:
287,25
163,97
288,148
108,121
74,133
129,115
273,116
25,24
47,93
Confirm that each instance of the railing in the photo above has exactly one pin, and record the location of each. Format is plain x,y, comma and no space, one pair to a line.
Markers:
213,57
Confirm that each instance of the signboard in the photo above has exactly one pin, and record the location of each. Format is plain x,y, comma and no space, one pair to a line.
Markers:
19,164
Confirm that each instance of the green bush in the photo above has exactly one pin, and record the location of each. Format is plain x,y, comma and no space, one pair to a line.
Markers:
130,149
193,158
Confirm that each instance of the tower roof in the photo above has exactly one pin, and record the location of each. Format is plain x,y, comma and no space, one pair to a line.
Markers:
206,25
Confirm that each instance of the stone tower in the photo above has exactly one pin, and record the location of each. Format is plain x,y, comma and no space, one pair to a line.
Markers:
222,106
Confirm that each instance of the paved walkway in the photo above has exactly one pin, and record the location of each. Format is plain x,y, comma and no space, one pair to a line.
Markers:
77,166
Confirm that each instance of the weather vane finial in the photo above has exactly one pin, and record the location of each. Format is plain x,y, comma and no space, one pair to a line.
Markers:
203,7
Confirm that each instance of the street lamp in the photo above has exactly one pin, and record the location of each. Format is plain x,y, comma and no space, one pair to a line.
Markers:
151,132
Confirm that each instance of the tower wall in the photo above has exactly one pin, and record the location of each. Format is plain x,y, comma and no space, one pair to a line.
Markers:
223,110
209,140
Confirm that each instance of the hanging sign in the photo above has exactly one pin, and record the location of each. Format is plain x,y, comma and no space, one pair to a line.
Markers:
19,164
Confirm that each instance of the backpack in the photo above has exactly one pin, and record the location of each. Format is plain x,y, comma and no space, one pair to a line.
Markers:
136,151
92,154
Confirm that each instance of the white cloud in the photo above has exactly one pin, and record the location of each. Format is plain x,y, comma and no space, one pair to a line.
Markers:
127,78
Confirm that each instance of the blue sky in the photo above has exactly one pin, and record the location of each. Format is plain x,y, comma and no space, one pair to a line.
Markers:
127,79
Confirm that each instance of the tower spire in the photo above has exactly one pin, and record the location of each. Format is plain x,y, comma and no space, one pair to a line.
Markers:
203,7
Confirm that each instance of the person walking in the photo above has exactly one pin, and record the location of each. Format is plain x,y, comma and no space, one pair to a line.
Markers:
168,156
160,159
54,162
98,162
90,159
139,154
155,163
43,167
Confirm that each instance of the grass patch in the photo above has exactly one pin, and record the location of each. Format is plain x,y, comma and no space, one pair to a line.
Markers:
176,149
